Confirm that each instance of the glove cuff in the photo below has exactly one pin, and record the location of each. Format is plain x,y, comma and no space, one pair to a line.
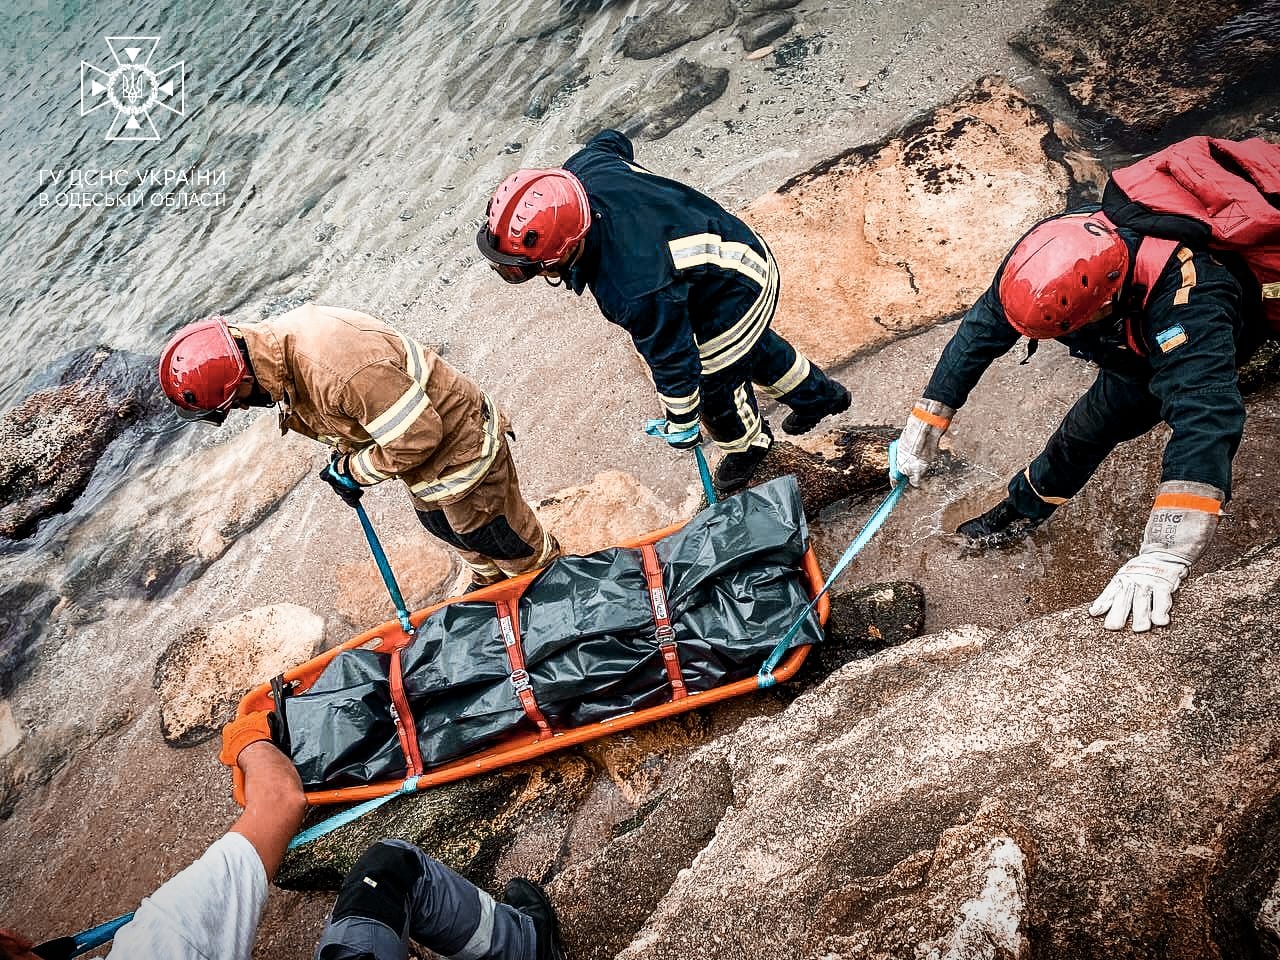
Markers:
1183,520
934,413
241,732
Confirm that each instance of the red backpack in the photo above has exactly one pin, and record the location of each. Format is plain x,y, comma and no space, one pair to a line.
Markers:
1204,192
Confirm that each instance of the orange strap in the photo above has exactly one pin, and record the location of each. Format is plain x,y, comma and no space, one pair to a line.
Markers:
1187,501
664,633
932,419
510,624
406,729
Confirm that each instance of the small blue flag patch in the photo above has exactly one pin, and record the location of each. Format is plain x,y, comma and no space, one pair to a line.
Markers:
1171,338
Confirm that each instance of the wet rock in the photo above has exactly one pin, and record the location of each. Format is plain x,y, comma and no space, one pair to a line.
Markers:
662,27
763,6
51,442
613,507
24,610
896,236
466,825
961,795
10,733
864,621
855,461
642,864
560,81
423,569
762,30
171,524
201,676
1143,67
651,112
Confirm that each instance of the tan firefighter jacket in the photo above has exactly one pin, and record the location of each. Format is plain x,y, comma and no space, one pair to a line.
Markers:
349,380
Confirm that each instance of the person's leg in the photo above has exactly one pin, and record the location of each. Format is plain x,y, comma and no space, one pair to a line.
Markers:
732,418
786,375
396,892
1113,410
493,527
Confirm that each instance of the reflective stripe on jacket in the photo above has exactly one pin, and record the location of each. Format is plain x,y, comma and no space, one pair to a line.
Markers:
347,379
692,284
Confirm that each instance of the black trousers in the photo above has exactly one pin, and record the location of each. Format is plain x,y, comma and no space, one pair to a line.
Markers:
729,408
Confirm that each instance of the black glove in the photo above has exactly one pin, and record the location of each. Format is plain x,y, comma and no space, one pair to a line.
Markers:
1000,526
336,476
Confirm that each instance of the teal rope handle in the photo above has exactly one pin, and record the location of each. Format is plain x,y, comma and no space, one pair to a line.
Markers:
765,677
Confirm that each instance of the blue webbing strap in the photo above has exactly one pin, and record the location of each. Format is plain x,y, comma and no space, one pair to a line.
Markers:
658,428
350,814
765,677
384,567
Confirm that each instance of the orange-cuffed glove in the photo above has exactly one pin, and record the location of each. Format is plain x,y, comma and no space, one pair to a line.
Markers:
242,731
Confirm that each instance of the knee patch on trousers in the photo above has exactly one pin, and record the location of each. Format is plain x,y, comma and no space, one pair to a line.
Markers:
495,540
379,886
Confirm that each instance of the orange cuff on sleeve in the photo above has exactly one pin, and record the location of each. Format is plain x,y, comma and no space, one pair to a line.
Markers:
241,732
1187,501
932,419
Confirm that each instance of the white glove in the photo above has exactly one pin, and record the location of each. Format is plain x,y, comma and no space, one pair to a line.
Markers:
1142,589
918,446
1182,522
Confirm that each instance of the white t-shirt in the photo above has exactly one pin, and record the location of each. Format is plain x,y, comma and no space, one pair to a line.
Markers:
210,911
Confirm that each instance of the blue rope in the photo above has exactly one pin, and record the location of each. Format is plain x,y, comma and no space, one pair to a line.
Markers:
705,474
384,567
765,677
660,428
64,948
347,816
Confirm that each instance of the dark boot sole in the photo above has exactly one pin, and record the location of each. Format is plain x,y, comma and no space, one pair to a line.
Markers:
795,428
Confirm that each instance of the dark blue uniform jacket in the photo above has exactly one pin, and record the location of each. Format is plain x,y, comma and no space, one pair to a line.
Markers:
669,265
1192,335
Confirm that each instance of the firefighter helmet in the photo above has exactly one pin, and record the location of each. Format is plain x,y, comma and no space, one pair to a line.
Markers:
1062,275
534,220
201,369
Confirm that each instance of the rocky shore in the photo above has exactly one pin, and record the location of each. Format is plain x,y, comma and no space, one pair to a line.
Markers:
968,768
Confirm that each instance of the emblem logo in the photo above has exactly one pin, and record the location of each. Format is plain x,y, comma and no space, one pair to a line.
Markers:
133,88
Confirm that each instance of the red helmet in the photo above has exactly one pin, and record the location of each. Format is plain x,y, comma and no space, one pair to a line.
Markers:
1062,274
201,369
535,219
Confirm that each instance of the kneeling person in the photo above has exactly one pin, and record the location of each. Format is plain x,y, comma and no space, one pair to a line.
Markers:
388,407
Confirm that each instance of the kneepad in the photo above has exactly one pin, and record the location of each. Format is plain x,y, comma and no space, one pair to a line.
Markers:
495,540
379,886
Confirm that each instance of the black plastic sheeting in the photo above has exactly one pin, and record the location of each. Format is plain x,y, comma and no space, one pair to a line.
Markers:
734,587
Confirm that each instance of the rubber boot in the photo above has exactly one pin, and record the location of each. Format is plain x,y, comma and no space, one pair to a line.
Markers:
802,421
530,900
1000,526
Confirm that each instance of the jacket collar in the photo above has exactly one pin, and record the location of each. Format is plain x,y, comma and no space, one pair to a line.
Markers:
587,265
266,356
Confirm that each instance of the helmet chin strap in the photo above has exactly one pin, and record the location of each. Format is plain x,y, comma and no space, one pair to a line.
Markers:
553,279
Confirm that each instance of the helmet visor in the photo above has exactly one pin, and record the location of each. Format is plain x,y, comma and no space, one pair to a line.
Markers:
216,417
512,268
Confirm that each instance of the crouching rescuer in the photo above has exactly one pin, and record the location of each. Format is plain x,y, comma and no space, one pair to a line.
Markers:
388,407
1167,333
692,284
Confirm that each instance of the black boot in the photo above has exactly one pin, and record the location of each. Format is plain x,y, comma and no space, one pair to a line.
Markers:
1002,525
802,421
530,900
735,470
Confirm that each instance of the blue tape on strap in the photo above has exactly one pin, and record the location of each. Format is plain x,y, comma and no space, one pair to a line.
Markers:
347,816
765,677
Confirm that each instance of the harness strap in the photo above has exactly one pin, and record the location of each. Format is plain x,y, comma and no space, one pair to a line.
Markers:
1153,254
664,632
510,624
406,729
